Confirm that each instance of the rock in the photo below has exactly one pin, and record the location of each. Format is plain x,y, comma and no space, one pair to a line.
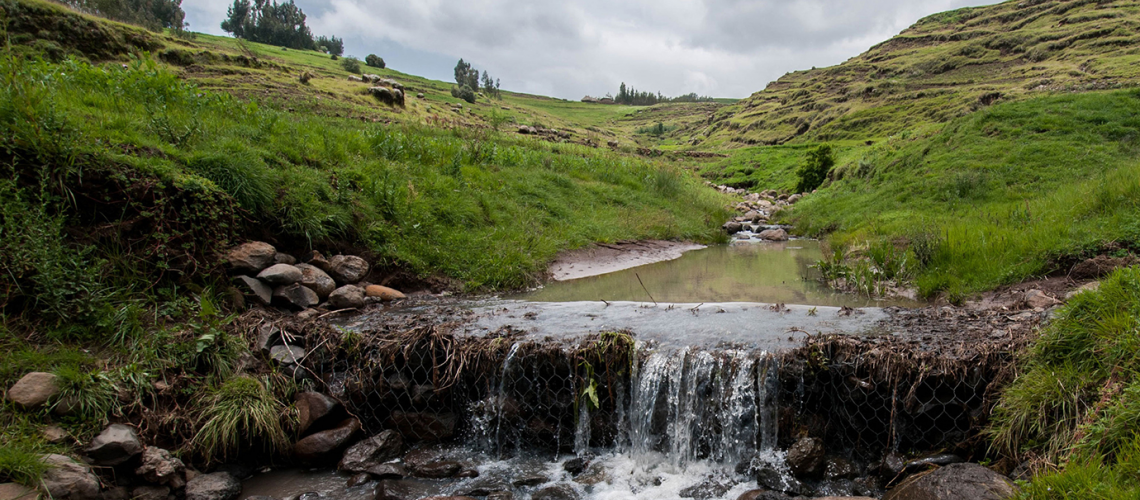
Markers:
771,479
115,493
251,257
844,498
310,495
915,466
308,314
525,130
321,446
358,479
1038,299
839,468
733,227
1087,287
805,456
347,297
706,490
150,493
216,486
287,354
319,261
55,434
295,297
316,412
375,450
420,95
33,390
576,465
388,471
762,495
66,479
954,481
313,278
280,274
13,491
160,467
557,492
115,445
439,470
383,292
347,269
794,198
501,495
403,490
268,335
255,288
893,464
424,426
239,470
774,235
284,258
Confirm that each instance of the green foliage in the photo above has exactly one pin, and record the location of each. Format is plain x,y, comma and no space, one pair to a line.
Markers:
814,171
266,21
657,130
330,45
239,415
463,92
151,14
465,75
89,396
351,64
375,61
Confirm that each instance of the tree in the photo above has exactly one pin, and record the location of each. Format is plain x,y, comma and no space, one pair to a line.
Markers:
267,21
463,92
461,70
236,18
814,172
330,45
375,61
488,83
151,14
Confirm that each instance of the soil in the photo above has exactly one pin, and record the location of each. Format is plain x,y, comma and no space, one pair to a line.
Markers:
607,258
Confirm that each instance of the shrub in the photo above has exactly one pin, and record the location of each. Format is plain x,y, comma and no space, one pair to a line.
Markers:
351,64
374,61
814,172
463,92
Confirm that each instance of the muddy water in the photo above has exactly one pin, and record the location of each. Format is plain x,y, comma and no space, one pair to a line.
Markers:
747,271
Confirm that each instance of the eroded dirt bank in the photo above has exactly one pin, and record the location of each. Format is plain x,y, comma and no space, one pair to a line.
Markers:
607,258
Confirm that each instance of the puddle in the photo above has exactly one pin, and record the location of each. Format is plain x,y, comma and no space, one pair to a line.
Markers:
745,271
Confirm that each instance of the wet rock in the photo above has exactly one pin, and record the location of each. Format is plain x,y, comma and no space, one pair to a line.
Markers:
260,497
501,495
835,487
483,486
1038,299
33,390
284,258
147,492
358,479
438,470
251,257
239,470
556,492
839,468
313,278
424,426
388,471
762,495
13,491
66,479
316,259
844,498
115,493
805,456
323,446
576,465
373,451
160,467
468,472
915,466
287,354
733,227
868,486
892,465
403,490
255,289
424,455
529,480
706,490
316,412
280,275
383,293
347,297
115,445
771,479
347,269
962,480
216,486
774,235
309,495
295,297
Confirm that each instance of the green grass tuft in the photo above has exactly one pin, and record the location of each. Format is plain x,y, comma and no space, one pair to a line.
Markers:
239,415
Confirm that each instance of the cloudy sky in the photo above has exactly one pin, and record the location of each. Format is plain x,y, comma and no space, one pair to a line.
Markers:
567,49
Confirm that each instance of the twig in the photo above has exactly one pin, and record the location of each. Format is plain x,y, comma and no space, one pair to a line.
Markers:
646,289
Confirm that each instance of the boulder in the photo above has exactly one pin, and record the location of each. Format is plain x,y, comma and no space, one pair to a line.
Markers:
839,468
805,456
150,493
358,479
13,491
424,426
317,412
375,450
33,390
347,269
280,274
160,467
255,288
216,486
284,258
954,481
316,259
115,445
383,292
733,227
794,198
287,354
706,490
443,469
771,479
388,471
762,495
924,463
557,492
774,235
295,297
252,257
313,278
575,465
347,297
322,446
66,479
1038,299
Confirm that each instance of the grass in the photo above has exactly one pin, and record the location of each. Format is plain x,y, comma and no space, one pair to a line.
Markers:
240,415
1077,403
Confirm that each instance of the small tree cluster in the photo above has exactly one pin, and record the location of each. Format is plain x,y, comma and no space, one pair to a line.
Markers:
351,65
814,172
467,76
631,97
281,24
374,61
463,92
152,14
330,45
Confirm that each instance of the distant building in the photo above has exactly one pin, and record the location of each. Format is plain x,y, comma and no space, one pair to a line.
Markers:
606,100
595,100
589,99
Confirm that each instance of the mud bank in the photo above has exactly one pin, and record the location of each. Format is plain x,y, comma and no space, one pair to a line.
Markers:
607,258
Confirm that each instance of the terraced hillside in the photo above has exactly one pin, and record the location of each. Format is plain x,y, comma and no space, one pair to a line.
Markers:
945,66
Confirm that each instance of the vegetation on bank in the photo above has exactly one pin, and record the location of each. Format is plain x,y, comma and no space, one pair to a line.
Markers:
1076,405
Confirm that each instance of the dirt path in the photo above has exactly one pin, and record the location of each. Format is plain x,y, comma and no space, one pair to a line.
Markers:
608,258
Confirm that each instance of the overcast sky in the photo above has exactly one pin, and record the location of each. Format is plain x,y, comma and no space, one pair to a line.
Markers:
567,49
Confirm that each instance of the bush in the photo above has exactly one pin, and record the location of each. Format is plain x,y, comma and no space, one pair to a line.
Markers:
351,64
374,61
464,92
814,172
